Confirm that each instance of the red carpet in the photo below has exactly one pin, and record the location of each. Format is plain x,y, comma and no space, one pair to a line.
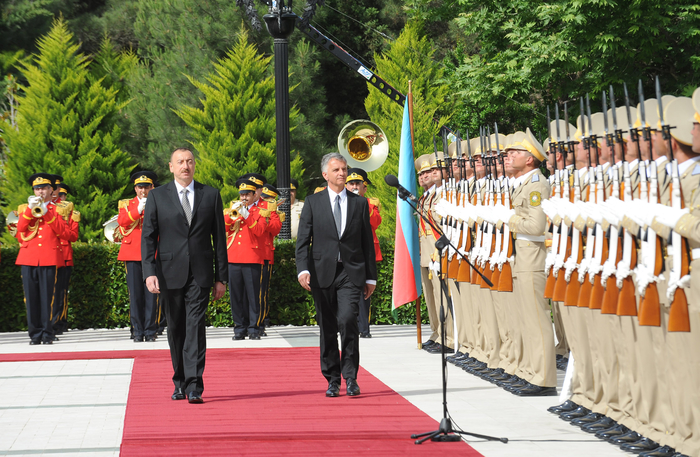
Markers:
261,402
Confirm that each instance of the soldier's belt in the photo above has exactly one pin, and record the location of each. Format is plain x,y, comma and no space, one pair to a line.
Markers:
533,238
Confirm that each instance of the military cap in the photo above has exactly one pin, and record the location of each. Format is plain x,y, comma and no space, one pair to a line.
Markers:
423,163
562,131
144,178
257,179
680,114
475,144
501,142
41,180
57,180
293,184
244,184
270,191
696,104
64,188
319,189
358,174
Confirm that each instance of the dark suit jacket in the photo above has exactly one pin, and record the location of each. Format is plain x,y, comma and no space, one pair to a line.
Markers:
200,247
317,234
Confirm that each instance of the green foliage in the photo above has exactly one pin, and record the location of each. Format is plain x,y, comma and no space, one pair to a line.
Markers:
235,129
67,125
531,53
177,40
409,58
98,296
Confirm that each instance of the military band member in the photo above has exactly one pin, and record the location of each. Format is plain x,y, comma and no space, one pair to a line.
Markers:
295,206
72,217
357,182
268,209
39,230
245,230
143,310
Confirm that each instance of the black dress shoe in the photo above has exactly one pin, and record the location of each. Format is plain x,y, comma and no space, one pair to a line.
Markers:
536,391
427,344
565,407
150,338
645,444
33,342
178,395
138,339
519,384
450,358
575,414
263,333
663,451
587,419
604,424
612,432
352,389
195,397
46,341
238,337
58,332
629,437
365,335
333,389
54,338
254,337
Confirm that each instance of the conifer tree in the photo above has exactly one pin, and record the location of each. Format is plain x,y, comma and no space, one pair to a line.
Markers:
234,131
409,58
67,125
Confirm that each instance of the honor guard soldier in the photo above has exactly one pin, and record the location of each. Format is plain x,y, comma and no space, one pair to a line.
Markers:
39,230
537,367
357,182
245,229
144,304
67,211
295,206
268,210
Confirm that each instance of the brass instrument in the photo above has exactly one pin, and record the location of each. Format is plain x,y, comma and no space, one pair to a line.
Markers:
36,211
233,211
111,230
363,144
11,222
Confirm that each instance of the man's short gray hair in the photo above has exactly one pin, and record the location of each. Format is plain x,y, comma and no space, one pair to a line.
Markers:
328,157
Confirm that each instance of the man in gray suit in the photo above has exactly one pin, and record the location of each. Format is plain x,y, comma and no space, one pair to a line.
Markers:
183,249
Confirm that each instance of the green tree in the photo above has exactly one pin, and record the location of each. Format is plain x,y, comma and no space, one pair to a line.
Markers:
528,53
67,124
235,129
176,38
409,58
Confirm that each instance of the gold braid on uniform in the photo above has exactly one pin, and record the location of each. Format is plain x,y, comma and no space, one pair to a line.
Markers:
232,236
64,209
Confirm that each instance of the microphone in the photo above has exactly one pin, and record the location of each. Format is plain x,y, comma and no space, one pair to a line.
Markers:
404,193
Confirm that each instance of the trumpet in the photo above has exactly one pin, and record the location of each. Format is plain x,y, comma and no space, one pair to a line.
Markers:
11,222
36,203
235,207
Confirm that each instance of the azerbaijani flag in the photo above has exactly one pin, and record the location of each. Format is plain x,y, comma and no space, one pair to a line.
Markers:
407,280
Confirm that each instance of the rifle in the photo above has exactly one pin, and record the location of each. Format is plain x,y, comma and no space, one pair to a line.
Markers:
678,318
550,258
627,301
563,248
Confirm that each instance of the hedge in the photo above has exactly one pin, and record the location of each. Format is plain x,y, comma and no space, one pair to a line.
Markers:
98,296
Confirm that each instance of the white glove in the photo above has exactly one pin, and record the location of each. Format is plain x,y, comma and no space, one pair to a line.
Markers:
669,216
142,204
442,208
549,208
34,201
243,211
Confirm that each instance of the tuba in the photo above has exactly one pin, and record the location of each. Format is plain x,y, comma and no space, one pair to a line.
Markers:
363,144
11,222
111,230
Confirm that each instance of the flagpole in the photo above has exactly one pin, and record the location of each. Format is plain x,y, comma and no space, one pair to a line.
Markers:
409,100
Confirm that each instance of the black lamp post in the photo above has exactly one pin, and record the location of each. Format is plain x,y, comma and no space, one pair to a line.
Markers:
280,23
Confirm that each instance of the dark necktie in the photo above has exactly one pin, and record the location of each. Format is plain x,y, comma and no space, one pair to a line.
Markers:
186,206
338,215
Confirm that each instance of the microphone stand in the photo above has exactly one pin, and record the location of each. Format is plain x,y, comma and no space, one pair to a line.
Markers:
445,433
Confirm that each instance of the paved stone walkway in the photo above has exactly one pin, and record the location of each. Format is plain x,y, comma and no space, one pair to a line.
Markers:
77,407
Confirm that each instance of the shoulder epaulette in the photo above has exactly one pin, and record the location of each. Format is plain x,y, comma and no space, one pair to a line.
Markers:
21,208
124,203
375,202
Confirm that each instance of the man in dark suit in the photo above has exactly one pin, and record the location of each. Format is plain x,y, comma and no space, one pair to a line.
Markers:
183,237
334,227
